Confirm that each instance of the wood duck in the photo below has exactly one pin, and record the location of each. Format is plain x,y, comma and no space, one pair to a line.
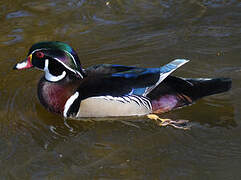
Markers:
111,90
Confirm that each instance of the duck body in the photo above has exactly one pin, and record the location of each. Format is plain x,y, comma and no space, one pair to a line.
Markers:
111,90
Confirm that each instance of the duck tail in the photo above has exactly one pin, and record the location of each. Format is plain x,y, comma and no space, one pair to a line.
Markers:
205,87
175,92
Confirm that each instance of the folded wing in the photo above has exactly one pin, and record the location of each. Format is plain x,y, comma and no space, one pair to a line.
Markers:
118,80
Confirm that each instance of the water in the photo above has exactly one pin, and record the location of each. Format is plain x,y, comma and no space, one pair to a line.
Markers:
35,144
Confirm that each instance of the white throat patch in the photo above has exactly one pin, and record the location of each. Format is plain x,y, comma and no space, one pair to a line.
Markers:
51,77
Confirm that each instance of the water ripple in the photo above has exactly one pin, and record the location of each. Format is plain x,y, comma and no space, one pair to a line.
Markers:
220,3
17,14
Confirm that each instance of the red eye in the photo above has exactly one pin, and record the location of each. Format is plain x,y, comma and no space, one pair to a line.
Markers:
39,54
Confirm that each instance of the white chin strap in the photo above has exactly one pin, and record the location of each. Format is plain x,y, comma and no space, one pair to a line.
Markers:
51,77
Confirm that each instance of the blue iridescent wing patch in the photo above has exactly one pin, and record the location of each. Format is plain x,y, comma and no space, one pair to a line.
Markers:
136,72
172,66
156,73
138,91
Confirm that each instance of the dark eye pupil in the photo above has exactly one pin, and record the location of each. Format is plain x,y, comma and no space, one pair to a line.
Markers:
40,54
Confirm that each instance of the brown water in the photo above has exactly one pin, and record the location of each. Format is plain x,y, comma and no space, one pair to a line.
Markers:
35,144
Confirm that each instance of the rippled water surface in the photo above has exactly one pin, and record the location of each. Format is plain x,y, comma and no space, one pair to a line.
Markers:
35,144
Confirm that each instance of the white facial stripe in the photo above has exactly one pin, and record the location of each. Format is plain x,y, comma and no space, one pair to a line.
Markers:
71,57
21,65
69,102
51,77
38,50
67,67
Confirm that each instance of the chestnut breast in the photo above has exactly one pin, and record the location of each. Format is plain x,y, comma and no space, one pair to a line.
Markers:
54,95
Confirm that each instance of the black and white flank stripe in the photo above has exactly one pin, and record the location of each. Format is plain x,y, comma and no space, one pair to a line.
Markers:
139,100
110,106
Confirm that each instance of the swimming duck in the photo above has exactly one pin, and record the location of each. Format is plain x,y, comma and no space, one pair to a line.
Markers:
111,90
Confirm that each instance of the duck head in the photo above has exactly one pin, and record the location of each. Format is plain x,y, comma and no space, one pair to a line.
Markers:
56,59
